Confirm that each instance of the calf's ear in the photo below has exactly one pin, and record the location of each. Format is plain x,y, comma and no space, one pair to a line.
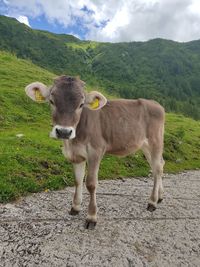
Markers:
37,92
95,100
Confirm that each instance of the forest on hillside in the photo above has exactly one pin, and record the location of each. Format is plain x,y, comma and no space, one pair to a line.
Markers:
164,70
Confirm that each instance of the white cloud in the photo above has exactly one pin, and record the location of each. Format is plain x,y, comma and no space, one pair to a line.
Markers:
23,19
117,20
60,11
75,35
139,20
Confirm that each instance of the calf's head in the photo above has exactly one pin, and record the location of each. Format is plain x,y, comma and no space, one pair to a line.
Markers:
67,99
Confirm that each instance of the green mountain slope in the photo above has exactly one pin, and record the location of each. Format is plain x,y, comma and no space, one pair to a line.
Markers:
43,48
166,71
163,70
32,162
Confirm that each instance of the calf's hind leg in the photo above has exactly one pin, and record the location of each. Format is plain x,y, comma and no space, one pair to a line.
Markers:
146,150
157,164
161,190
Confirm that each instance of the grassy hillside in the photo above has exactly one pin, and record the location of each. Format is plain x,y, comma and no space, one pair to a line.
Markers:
164,70
160,69
43,48
34,162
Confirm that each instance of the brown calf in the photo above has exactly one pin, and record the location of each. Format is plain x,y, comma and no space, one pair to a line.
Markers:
91,126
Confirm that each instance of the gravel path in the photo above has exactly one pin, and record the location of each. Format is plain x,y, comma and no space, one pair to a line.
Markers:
37,230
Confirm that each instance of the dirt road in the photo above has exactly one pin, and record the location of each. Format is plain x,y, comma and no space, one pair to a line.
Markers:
37,230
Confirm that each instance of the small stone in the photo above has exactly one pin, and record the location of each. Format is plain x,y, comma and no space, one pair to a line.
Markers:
19,135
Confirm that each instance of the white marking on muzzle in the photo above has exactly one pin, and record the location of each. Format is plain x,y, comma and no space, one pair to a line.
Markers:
59,127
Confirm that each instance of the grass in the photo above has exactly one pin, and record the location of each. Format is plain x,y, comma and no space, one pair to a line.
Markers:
182,143
34,162
83,45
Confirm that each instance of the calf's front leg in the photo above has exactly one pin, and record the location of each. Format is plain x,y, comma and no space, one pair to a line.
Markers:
79,173
91,184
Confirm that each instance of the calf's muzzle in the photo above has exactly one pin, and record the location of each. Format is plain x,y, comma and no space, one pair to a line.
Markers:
63,133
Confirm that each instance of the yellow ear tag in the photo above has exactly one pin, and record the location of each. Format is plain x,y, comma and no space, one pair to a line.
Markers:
94,104
38,96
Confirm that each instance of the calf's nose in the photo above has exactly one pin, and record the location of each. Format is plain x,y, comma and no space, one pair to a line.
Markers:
63,133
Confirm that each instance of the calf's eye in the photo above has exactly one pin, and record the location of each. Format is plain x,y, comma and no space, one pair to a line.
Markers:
51,101
81,105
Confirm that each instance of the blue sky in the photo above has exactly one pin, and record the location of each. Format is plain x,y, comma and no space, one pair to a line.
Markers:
41,23
111,20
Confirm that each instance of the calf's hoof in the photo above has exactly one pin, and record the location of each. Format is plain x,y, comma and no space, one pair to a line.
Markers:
160,200
90,225
151,207
73,212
